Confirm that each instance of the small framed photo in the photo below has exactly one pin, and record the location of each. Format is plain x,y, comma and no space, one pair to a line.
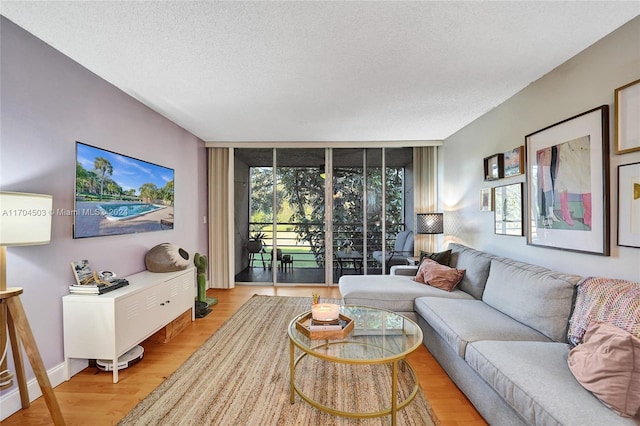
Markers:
486,199
514,162
83,273
627,126
508,211
494,167
629,205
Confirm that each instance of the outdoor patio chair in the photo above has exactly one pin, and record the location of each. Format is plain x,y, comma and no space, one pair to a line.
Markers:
402,249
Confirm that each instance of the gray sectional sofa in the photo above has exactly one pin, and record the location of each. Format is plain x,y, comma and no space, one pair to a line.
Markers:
500,336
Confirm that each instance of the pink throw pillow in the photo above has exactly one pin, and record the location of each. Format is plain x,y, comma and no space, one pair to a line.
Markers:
607,363
440,276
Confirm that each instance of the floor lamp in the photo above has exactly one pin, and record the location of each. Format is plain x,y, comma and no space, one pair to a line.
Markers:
430,224
25,219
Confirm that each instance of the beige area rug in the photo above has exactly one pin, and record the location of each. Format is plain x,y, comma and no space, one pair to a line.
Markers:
240,376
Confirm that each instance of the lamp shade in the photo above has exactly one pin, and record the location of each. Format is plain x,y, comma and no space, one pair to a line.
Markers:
430,223
25,219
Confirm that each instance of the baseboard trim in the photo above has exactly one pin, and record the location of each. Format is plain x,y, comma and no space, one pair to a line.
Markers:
10,401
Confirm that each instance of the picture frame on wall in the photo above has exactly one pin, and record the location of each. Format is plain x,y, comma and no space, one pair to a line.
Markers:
486,199
508,211
567,180
627,124
629,205
494,167
514,162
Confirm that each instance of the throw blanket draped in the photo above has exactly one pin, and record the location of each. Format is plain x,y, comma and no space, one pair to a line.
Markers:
613,301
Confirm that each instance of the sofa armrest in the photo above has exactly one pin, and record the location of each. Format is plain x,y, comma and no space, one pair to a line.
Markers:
408,270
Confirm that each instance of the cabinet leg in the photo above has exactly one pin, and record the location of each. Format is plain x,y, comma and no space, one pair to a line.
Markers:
67,369
115,370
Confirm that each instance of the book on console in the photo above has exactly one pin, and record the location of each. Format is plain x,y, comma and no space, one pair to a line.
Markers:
338,324
99,288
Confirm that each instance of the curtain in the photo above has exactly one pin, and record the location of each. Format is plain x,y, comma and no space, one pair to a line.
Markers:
220,270
425,164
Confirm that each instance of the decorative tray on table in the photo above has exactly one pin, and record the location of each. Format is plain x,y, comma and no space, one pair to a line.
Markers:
316,330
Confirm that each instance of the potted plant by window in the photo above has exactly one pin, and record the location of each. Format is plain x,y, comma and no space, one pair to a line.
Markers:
255,243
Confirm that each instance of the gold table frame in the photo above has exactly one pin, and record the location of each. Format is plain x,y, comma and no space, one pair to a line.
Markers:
296,339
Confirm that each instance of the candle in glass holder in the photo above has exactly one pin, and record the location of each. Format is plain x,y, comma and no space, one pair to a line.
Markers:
325,311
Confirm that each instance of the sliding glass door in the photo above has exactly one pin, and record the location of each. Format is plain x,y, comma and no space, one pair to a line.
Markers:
300,219
311,215
348,219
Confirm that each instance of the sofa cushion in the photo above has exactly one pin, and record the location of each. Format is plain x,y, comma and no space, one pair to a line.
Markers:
393,292
534,379
607,363
442,257
460,322
605,300
533,295
436,275
475,263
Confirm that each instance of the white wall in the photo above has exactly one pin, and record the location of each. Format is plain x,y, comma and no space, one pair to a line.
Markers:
48,102
586,81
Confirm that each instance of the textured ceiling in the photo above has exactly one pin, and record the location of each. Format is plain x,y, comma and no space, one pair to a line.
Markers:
320,71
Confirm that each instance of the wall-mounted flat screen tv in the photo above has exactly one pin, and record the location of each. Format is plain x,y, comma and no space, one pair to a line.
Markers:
117,194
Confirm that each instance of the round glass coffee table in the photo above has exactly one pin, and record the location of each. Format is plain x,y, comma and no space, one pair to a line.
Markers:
378,337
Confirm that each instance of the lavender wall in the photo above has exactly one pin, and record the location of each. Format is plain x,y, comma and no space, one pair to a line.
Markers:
48,102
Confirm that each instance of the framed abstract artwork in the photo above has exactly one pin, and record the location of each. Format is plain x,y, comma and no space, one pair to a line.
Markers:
629,205
567,184
627,126
508,212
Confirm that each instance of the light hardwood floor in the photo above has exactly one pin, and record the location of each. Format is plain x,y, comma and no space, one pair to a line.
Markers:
90,398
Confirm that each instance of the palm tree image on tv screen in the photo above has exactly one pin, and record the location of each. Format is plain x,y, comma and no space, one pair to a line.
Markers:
117,194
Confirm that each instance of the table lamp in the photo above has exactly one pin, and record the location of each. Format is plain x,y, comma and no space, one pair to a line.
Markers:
430,223
25,219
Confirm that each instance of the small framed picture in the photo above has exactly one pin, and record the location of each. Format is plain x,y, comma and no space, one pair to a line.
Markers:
82,272
494,167
486,199
627,126
629,205
514,162
508,211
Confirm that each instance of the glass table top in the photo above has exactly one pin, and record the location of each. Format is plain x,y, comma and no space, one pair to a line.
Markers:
378,336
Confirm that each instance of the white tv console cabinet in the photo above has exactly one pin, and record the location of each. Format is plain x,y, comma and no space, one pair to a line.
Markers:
108,325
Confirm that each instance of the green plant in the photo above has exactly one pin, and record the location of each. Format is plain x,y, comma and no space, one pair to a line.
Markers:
201,267
255,242
258,236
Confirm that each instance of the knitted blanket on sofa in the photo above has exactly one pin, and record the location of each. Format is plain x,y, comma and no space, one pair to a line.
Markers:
613,301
